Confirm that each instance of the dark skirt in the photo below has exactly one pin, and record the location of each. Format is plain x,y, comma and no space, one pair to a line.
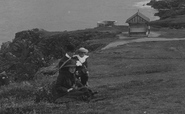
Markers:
82,94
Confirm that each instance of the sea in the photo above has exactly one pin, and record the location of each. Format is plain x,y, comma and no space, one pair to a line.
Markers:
61,15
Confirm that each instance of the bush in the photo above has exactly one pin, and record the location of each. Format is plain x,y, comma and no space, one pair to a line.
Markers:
33,49
17,91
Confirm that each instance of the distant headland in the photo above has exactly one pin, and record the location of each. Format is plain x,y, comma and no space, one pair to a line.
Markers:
170,12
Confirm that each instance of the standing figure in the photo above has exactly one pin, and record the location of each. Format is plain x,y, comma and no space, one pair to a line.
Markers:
82,72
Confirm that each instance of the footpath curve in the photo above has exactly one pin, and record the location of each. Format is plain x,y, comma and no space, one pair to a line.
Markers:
125,40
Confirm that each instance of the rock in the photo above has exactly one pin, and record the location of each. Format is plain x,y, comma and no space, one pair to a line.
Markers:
170,12
4,79
5,47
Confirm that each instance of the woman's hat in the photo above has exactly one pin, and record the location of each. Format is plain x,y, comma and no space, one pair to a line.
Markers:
70,63
83,50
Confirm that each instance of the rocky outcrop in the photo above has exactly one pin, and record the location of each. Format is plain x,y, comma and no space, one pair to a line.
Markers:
171,13
32,49
168,8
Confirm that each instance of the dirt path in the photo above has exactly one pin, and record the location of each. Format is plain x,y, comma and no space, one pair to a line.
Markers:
124,35
123,39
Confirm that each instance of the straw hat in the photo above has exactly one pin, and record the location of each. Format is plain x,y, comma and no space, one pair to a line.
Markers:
83,50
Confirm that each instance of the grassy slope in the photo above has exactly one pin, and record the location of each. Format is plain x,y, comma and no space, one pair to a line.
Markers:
132,79
158,71
169,33
170,22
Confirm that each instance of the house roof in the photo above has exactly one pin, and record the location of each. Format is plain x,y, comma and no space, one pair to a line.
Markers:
140,15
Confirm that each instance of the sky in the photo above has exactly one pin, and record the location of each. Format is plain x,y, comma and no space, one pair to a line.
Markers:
60,15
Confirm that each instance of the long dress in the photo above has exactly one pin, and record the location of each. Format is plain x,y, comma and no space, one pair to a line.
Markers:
67,80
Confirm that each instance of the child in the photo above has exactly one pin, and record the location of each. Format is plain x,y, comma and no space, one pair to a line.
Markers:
82,65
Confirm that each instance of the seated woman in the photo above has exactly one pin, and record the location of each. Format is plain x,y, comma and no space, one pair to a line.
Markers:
81,71
67,85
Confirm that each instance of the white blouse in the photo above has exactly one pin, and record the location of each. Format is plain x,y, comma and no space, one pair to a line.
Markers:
81,60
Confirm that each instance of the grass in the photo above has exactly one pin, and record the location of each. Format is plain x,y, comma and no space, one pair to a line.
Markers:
147,69
173,33
138,78
132,97
172,22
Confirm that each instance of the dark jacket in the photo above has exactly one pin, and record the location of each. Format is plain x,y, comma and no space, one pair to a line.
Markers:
85,64
63,59
65,81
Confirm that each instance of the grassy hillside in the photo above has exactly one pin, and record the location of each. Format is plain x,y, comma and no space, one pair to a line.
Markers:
135,78
177,22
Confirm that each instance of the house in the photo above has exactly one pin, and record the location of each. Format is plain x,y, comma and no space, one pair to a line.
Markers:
106,23
138,25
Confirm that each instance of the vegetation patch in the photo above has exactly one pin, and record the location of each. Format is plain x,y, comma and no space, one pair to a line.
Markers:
18,91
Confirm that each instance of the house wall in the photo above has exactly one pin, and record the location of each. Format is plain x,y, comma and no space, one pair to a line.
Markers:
139,27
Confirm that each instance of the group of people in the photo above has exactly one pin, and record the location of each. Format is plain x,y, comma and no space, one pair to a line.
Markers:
72,81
